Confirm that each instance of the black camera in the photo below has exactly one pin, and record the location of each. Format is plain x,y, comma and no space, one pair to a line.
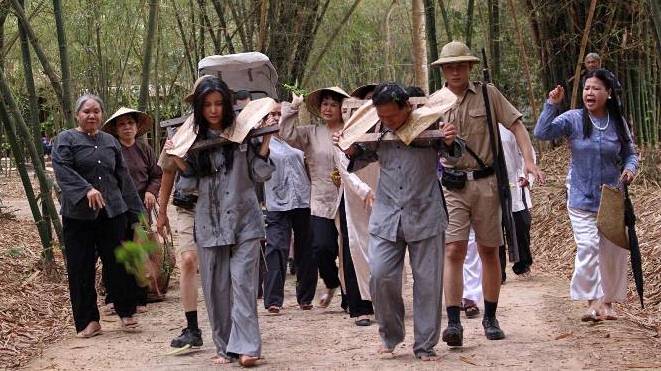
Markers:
184,200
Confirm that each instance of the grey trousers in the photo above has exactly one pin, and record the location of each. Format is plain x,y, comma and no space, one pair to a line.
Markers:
229,277
386,260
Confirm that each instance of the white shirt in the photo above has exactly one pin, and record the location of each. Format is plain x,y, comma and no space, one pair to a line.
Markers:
514,162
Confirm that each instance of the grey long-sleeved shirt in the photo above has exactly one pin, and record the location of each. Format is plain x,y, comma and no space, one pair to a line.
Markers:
227,211
409,194
82,162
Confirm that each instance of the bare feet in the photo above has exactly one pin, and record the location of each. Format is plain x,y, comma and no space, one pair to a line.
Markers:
93,328
326,298
429,357
384,351
274,309
306,306
130,324
108,309
608,312
220,360
141,309
593,313
248,361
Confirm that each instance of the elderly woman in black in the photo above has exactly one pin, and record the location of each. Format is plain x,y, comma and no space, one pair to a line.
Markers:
99,203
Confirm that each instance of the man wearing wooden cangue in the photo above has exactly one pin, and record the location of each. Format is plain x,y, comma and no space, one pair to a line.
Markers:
475,202
408,211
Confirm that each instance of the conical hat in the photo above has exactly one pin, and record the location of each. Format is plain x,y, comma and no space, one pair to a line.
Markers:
313,101
143,121
610,217
361,91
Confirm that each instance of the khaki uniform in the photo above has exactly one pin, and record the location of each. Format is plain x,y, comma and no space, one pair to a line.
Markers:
477,204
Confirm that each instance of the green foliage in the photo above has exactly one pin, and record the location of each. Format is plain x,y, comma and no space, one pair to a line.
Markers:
295,89
134,254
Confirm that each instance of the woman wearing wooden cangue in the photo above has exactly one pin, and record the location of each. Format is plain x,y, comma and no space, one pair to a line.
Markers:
228,224
327,197
99,203
602,152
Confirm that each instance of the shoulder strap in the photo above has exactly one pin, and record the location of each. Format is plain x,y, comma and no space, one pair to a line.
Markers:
476,157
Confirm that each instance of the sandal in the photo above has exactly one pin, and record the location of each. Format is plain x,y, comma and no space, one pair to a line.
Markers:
591,316
220,360
109,309
306,306
363,321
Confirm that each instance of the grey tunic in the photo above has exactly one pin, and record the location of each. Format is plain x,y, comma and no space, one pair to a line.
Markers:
408,193
82,162
227,211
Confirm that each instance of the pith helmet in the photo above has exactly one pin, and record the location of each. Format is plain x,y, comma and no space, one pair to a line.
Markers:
453,52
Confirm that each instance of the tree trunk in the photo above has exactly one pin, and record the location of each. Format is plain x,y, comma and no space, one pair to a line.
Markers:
34,155
67,104
468,34
446,20
584,42
420,70
432,44
5,47
147,50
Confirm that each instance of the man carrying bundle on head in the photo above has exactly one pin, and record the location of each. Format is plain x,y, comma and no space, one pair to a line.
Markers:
408,211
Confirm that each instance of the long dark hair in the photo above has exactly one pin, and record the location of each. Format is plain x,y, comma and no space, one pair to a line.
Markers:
204,88
612,106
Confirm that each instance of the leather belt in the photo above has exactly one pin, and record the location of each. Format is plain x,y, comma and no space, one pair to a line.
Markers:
479,174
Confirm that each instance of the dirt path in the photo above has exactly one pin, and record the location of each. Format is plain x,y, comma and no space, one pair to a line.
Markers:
540,321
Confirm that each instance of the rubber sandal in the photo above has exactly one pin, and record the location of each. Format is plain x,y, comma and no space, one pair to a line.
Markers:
92,334
306,306
274,309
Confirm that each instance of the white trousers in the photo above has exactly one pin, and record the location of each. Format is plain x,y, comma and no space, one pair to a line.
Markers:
472,271
600,269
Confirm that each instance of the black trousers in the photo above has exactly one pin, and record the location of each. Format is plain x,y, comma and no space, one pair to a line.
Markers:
356,305
522,222
84,240
140,292
324,245
279,227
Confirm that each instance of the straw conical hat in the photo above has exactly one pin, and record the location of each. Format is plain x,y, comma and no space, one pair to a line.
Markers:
454,52
610,217
313,101
361,91
143,120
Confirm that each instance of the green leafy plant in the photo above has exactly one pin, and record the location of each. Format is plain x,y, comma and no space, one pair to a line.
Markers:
295,89
134,254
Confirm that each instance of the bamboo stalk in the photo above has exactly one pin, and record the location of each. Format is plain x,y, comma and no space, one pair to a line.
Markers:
524,58
446,20
67,104
25,179
420,71
330,41
263,10
147,50
584,43
34,155
39,51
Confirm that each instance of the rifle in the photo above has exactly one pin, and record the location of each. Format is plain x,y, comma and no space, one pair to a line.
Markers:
500,168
